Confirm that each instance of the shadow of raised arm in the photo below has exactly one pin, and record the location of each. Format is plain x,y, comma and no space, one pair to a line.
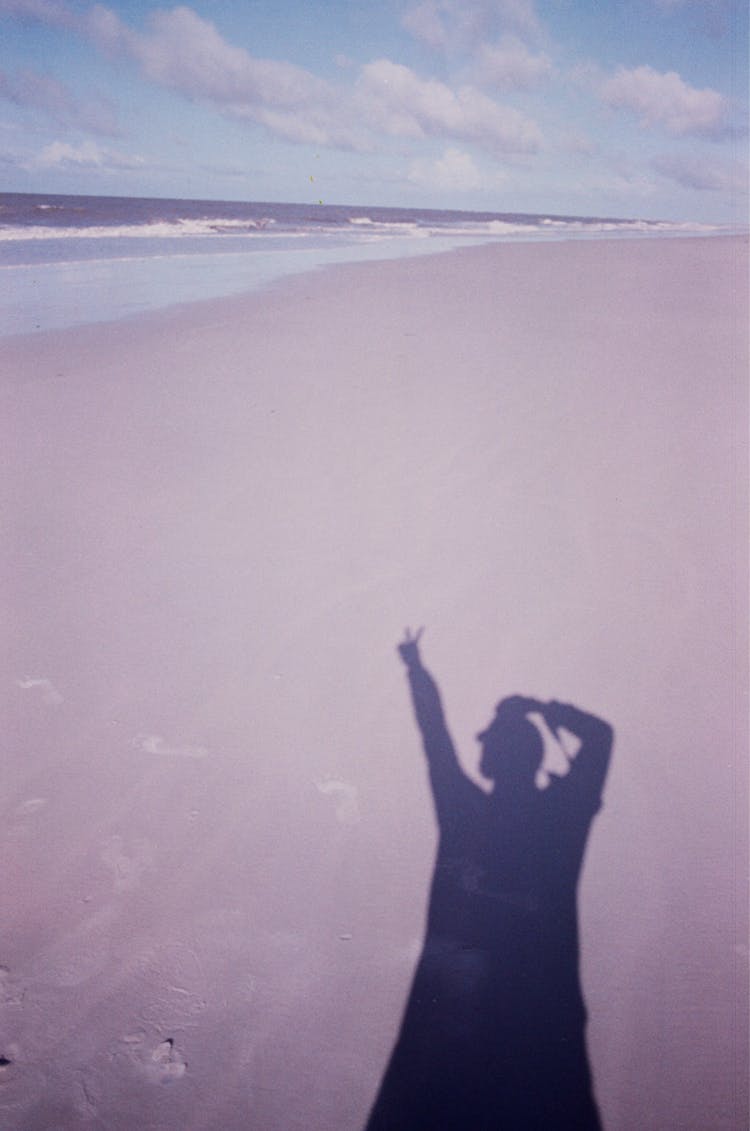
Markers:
447,778
591,763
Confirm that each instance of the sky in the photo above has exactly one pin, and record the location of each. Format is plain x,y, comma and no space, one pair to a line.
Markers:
627,108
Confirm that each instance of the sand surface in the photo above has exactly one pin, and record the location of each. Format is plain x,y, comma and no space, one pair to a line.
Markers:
216,829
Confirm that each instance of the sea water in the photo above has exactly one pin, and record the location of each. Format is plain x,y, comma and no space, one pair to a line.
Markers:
70,260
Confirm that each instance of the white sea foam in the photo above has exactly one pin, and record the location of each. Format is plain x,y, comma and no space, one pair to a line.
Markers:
553,228
399,226
357,227
160,229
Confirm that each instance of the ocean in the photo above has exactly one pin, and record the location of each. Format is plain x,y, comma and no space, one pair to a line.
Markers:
71,260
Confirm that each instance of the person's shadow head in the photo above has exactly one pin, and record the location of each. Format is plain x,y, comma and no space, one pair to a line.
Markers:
512,746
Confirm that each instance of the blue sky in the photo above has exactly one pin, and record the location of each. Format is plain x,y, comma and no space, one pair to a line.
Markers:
619,108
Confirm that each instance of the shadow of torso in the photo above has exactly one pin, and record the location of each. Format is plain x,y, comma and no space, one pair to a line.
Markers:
493,1035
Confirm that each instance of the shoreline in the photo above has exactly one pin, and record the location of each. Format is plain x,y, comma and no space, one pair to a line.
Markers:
143,281
277,281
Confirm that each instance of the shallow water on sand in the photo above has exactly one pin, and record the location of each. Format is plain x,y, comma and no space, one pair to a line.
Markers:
53,296
66,261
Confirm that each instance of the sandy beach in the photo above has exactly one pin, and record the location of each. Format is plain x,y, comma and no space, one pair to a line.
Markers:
217,833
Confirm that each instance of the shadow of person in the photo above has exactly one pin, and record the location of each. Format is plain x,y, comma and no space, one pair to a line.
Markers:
493,1033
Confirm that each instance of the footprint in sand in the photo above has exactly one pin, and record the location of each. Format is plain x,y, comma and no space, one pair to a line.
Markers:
45,688
127,863
167,1063
345,798
10,994
155,744
161,1064
33,805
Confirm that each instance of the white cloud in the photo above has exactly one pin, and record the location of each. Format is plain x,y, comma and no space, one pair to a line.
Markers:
397,102
665,99
510,65
427,23
455,171
29,89
180,50
579,144
461,25
53,12
621,182
62,155
714,17
706,176
185,53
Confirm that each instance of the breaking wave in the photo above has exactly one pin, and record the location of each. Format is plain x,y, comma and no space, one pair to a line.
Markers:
157,229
